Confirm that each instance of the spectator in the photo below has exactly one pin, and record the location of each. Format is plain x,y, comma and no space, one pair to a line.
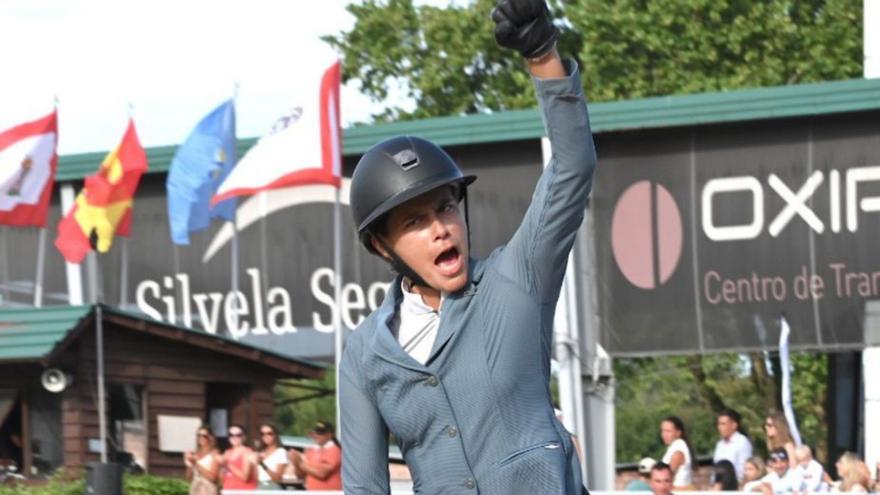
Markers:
724,477
661,479
754,471
853,473
779,435
321,464
238,462
272,459
640,484
679,455
809,472
203,465
781,478
733,445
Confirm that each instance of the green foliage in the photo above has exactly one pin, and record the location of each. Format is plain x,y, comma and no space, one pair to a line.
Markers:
132,485
696,387
447,62
298,418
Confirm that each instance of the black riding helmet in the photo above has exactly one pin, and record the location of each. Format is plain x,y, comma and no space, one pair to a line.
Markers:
393,172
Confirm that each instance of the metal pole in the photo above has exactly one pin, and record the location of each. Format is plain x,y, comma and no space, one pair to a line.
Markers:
337,295
99,345
123,275
41,261
234,268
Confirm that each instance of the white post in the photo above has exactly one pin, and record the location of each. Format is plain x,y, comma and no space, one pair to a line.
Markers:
567,344
73,271
871,354
337,295
41,262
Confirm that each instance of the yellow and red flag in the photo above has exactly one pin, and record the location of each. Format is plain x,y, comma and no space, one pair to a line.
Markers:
103,207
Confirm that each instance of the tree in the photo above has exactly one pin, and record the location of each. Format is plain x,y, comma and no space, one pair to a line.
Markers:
446,60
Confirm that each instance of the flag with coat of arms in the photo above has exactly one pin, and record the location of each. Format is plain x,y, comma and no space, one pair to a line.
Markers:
28,161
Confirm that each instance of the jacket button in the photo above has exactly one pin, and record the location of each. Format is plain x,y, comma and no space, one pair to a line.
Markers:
432,381
469,483
452,431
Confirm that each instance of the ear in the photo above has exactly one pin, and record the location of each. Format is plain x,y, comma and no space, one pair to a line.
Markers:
379,247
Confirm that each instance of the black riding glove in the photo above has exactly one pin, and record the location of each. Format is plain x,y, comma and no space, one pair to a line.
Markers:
525,26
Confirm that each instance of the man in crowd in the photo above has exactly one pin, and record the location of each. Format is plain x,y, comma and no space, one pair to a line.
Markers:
641,484
781,478
661,479
733,445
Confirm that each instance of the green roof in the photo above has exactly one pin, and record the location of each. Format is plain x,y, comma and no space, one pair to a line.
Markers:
31,333
668,111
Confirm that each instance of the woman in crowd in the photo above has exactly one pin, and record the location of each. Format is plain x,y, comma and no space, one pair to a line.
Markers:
779,436
679,454
853,473
238,462
272,459
754,471
724,477
203,464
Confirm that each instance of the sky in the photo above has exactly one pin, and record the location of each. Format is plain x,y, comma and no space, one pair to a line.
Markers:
167,62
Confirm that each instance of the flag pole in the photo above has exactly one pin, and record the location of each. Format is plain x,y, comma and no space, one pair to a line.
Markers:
337,295
234,222
92,261
41,261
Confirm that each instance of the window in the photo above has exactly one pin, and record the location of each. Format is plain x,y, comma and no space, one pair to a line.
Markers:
127,428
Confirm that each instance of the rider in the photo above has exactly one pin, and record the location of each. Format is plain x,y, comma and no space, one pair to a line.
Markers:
456,362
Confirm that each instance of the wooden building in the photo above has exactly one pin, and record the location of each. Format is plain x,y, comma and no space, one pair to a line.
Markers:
152,369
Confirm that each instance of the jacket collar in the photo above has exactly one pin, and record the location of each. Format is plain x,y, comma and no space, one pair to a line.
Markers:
386,346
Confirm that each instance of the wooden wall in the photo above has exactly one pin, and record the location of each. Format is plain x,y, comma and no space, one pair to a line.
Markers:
174,375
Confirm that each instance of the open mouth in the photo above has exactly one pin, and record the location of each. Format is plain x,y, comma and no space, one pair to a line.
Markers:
449,261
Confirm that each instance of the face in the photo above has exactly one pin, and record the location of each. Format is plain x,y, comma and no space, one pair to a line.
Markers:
430,236
236,437
203,437
668,432
841,467
661,482
726,427
770,427
268,436
320,438
751,471
779,465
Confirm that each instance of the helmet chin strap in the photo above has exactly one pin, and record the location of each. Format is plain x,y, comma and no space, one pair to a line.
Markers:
400,266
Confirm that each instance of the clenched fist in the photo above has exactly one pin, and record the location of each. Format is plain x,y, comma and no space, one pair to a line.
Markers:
525,26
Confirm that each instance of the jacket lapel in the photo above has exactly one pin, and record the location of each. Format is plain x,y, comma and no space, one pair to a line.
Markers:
453,306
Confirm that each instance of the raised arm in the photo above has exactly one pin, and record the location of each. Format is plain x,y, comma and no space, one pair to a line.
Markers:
536,256
364,434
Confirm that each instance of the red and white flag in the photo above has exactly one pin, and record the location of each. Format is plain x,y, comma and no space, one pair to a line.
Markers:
28,160
303,147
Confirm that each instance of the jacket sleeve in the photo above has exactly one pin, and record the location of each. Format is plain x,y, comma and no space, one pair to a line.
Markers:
537,253
364,434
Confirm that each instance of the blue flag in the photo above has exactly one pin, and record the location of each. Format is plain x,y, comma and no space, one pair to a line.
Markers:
199,166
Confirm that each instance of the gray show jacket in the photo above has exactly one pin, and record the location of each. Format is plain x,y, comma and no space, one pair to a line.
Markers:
477,417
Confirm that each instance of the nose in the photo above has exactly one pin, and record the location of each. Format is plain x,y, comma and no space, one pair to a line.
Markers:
439,229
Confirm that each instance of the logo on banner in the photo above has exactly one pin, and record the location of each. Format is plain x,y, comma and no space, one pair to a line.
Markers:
646,234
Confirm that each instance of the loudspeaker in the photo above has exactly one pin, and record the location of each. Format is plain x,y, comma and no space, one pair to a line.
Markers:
55,380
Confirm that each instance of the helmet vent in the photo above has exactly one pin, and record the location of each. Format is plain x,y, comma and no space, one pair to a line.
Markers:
407,159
